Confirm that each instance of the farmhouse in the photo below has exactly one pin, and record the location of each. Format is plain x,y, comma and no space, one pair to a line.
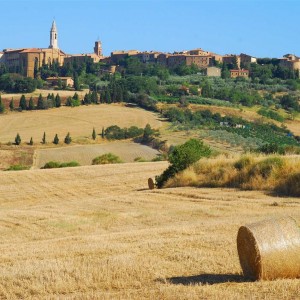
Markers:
66,81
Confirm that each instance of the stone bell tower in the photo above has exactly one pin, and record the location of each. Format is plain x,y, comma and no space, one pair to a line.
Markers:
53,36
98,48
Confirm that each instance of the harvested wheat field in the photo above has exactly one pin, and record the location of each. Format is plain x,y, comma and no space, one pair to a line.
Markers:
98,232
84,154
79,121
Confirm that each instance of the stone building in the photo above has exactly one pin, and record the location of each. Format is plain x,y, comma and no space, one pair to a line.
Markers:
245,58
117,56
291,62
66,81
239,73
232,59
27,60
95,57
212,72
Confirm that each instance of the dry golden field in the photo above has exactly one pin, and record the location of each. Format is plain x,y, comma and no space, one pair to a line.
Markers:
6,98
79,121
98,232
84,154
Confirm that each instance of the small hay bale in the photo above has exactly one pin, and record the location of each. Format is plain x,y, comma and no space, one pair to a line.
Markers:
270,249
150,183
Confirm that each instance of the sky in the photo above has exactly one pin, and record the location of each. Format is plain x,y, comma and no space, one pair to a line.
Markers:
261,28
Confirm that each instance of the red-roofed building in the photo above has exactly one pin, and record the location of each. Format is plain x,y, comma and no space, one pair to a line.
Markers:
239,73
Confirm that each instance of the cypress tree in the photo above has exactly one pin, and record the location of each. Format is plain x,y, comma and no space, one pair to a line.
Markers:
102,97
31,104
57,101
68,138
86,99
11,104
94,135
2,107
44,138
53,100
94,97
40,103
102,133
18,139
76,82
22,104
31,141
56,139
69,101
107,97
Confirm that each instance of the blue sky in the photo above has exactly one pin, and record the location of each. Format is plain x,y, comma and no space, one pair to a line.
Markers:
265,28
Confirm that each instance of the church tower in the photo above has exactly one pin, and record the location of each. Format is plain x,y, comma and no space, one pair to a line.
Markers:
98,48
53,36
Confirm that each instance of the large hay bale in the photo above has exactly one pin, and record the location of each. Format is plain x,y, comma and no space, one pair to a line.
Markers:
151,184
270,249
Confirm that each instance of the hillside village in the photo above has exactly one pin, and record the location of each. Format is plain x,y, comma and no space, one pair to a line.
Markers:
27,61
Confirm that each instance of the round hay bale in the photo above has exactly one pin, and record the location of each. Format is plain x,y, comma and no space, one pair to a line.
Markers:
151,184
270,249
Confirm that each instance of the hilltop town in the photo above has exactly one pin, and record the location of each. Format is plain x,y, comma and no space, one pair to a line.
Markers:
27,61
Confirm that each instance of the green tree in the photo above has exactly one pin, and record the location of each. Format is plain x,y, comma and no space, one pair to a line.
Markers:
2,107
147,134
94,97
23,104
17,139
31,141
182,157
57,101
69,101
76,82
11,104
103,133
68,138
44,138
225,73
53,100
31,104
40,103
94,135
59,84
56,139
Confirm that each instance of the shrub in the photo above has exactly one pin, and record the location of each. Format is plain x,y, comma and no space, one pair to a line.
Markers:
17,168
243,162
17,139
290,186
265,167
107,158
181,157
68,139
140,159
55,164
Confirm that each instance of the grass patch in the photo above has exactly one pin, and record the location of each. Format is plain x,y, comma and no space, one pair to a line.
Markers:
279,174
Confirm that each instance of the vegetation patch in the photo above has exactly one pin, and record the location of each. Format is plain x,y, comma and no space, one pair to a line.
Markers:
18,168
279,174
108,158
181,157
55,164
